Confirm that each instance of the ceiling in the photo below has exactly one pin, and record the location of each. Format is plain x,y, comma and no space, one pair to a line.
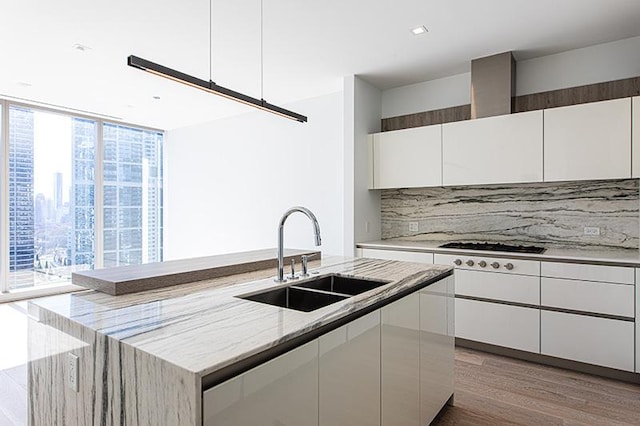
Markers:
308,47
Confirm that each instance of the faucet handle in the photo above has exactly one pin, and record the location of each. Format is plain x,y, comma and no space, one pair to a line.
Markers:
293,270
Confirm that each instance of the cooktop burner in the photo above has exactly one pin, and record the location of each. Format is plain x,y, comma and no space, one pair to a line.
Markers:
494,247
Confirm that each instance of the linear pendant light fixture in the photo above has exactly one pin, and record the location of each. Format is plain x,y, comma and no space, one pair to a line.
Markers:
210,86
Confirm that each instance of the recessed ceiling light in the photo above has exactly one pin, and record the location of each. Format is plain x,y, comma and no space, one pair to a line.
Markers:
419,30
81,47
24,84
156,97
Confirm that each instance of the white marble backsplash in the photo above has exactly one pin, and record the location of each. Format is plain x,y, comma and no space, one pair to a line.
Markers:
541,213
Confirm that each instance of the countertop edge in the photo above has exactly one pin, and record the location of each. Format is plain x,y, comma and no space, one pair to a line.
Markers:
413,246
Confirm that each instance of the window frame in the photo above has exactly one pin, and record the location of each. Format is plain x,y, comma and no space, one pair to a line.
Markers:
7,295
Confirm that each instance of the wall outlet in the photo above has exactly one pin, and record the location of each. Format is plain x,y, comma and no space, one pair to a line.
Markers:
413,226
72,369
591,230
367,227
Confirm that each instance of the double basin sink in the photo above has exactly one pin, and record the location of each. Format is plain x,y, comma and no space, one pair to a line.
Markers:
316,293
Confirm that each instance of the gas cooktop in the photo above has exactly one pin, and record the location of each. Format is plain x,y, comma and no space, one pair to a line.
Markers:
494,247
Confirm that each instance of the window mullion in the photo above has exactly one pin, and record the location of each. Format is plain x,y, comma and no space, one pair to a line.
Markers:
4,199
98,200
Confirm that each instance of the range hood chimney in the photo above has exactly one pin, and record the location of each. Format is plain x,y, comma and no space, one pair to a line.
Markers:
493,85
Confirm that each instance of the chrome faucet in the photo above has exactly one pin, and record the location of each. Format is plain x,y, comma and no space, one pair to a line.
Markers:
316,232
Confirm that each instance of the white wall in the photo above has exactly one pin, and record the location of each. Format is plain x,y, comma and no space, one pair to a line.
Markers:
362,110
594,64
229,181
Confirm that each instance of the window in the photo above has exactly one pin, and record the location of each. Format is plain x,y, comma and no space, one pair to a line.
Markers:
52,193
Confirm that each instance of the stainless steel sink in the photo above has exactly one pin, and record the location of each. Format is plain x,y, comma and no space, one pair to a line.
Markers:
295,298
341,284
307,296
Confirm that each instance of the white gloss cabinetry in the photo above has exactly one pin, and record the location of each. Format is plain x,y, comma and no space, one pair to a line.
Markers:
578,335
283,391
599,341
401,362
637,321
502,149
588,141
350,373
635,132
406,256
498,324
437,336
406,158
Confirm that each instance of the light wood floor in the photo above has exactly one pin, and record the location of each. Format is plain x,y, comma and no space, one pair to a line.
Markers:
494,390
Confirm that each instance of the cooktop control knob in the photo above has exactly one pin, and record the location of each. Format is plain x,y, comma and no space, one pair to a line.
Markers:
458,262
469,262
482,263
495,265
509,266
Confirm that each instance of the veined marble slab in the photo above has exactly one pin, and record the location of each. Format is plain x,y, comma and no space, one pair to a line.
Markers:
203,326
539,214
149,276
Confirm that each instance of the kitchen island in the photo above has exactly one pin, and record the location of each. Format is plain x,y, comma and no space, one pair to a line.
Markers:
153,357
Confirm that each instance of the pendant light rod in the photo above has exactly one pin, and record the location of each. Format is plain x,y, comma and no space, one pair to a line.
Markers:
211,87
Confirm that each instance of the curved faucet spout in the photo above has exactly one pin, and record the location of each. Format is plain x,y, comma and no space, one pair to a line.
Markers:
316,232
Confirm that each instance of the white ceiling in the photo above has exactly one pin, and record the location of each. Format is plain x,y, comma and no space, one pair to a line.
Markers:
308,47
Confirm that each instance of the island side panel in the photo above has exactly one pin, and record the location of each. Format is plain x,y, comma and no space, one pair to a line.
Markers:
117,384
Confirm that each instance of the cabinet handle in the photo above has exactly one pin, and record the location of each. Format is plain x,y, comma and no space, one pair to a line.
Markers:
458,262
509,266
495,265
482,263
469,262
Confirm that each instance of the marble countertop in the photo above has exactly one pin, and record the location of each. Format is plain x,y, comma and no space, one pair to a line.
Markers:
203,327
612,257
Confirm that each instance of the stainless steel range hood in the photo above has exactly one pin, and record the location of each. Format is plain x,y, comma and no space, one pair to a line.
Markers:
493,85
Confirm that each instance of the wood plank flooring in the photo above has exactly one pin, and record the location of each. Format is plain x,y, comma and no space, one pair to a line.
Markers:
495,390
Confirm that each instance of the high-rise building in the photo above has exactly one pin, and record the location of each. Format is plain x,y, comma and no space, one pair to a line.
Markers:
81,238
21,201
57,190
132,195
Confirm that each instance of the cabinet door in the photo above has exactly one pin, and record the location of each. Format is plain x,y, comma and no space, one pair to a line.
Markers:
637,321
502,149
283,391
588,141
350,373
407,256
496,286
600,341
407,158
503,325
436,347
635,131
401,362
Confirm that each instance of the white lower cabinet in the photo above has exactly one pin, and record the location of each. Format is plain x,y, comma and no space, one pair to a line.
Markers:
350,373
497,324
436,347
283,391
499,286
599,341
401,362
406,256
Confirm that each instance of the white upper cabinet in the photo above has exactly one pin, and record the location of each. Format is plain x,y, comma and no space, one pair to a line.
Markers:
588,141
635,131
406,158
502,149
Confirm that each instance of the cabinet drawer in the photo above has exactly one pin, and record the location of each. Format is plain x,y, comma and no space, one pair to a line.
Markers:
522,267
610,274
503,325
407,256
491,285
599,341
588,296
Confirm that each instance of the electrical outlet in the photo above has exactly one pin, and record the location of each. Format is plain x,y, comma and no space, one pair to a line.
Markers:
367,227
74,362
413,226
591,230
